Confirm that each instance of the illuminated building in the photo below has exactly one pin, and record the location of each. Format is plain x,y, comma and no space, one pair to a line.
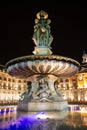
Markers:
10,87
73,88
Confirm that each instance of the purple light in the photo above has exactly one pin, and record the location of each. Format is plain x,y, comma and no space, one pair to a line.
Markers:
41,115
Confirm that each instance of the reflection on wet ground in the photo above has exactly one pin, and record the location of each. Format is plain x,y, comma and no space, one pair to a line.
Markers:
74,118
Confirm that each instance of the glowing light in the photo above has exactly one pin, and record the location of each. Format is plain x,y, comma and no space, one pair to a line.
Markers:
41,115
80,78
15,108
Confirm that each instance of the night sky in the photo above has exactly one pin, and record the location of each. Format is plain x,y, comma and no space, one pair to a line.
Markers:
68,27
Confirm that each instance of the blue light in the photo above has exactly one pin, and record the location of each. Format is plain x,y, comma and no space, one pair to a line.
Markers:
41,115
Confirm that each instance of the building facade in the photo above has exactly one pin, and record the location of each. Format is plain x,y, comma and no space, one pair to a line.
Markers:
74,89
10,87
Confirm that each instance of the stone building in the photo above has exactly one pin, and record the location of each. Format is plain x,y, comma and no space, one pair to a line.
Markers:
74,88
10,87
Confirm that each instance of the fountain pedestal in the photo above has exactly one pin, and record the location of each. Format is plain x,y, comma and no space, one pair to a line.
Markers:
43,96
42,106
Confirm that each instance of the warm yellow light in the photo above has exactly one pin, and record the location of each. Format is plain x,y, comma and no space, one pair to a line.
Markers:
80,78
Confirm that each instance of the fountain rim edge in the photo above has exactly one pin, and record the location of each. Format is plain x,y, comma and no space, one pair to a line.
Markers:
42,57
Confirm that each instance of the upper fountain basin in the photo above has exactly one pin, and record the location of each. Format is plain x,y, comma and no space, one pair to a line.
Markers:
56,65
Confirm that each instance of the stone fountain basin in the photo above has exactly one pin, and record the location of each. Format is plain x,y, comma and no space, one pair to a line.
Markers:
42,106
56,65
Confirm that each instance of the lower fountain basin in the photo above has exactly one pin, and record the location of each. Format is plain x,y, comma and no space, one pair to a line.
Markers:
42,106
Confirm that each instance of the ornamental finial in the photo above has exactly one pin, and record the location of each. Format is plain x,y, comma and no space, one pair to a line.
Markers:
42,14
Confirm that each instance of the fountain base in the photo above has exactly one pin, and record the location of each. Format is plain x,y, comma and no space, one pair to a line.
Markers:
42,106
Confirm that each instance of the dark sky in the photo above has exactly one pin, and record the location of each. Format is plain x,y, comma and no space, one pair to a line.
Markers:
68,27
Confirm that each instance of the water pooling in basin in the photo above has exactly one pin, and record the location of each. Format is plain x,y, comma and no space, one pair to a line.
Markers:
72,119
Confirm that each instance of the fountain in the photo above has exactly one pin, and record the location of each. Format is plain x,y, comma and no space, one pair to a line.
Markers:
42,69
